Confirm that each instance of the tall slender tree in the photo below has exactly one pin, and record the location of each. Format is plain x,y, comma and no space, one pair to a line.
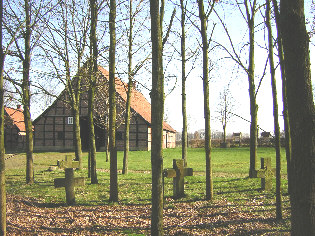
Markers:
129,91
205,78
301,115
250,7
3,211
249,16
157,112
26,98
275,114
92,85
66,39
32,16
183,55
112,104
284,94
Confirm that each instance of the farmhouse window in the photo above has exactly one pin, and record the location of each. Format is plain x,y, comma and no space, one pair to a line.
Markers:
60,135
70,120
119,135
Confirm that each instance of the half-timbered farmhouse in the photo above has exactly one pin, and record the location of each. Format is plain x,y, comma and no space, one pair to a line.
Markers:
54,128
14,129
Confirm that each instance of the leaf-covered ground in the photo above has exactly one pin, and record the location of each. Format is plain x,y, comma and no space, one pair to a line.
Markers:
26,216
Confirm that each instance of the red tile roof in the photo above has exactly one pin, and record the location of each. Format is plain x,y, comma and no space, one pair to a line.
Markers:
17,117
138,102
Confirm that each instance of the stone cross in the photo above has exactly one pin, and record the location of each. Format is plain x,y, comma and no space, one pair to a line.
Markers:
266,173
178,173
69,182
68,163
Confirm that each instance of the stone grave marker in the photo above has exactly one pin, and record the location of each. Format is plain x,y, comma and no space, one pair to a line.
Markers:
178,173
266,173
68,163
69,182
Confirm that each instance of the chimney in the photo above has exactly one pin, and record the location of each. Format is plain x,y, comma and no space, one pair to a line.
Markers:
18,107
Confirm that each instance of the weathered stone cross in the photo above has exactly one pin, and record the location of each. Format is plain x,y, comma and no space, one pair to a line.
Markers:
266,173
69,182
178,173
68,163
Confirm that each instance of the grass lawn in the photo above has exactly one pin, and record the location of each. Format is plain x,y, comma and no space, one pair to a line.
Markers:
239,206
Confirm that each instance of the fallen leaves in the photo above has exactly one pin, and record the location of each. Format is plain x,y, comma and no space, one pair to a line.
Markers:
220,217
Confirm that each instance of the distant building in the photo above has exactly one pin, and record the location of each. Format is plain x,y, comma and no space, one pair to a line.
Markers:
14,129
54,128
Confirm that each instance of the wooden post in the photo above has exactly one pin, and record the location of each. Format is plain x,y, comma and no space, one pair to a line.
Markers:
266,173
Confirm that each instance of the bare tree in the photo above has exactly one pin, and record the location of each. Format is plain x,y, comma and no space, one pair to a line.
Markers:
132,71
3,218
204,16
251,8
92,85
157,110
66,38
33,15
225,110
275,114
183,55
112,104
284,94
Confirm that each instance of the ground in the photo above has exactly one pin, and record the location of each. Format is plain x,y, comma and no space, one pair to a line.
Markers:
239,206
27,217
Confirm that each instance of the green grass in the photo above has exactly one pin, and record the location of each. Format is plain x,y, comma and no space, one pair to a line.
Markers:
230,170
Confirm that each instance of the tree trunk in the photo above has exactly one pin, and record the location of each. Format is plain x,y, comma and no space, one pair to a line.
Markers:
107,140
284,95
301,115
183,54
77,136
92,147
252,92
275,115
26,97
112,104
205,64
3,218
130,78
157,112
93,69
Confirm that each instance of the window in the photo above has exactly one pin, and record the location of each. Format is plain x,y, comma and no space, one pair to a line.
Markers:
70,120
60,135
119,136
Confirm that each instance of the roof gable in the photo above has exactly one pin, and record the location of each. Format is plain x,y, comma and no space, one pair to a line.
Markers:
16,115
138,102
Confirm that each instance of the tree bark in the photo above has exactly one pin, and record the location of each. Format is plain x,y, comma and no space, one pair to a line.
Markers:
77,136
130,78
183,54
252,90
112,104
275,115
93,69
26,96
157,112
3,210
205,64
301,114
284,95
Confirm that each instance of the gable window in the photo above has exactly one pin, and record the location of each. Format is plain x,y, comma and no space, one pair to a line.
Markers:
70,120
